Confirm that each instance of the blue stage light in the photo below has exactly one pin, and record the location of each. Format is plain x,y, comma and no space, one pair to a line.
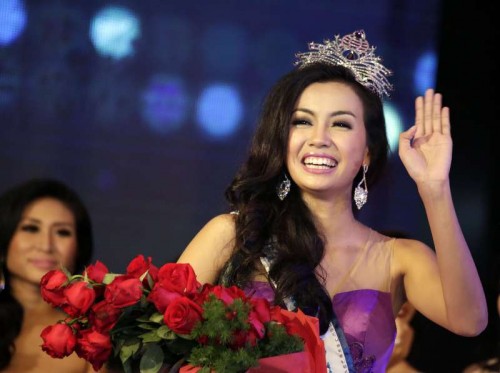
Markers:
113,31
165,103
219,110
12,20
393,126
425,72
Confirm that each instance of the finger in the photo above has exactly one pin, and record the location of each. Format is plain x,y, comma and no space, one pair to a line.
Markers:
406,137
428,100
436,113
409,133
445,120
419,116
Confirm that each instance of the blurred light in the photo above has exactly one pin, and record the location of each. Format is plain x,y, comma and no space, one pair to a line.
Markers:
219,110
164,103
113,31
393,126
12,20
425,72
225,49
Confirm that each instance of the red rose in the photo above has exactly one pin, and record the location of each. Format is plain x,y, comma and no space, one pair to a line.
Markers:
259,315
123,291
79,298
104,316
178,277
139,266
153,272
94,347
242,338
228,294
162,297
262,308
51,287
201,296
97,271
182,315
58,340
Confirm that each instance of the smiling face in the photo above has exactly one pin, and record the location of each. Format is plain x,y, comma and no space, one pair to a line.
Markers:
45,238
327,139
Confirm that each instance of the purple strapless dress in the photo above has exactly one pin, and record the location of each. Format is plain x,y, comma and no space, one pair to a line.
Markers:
367,319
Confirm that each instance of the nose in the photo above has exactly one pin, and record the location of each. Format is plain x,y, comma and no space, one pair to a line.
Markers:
320,137
45,241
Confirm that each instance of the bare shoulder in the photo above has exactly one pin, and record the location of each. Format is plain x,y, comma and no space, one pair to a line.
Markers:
218,230
211,247
410,253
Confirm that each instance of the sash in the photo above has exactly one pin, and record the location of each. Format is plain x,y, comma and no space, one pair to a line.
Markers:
338,355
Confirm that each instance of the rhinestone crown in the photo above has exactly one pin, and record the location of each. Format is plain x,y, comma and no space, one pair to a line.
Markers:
355,53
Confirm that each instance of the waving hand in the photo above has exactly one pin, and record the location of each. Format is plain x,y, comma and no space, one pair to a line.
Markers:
426,148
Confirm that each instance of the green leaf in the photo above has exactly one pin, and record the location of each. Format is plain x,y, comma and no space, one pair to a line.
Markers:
151,282
152,359
147,326
185,336
164,332
144,318
127,367
66,272
109,277
143,275
156,317
152,336
128,349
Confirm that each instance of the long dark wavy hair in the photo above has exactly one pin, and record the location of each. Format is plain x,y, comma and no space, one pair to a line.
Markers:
298,247
12,205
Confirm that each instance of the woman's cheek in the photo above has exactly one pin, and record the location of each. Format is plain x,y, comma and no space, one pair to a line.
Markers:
68,252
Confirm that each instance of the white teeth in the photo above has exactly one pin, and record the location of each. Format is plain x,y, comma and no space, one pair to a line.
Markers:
320,162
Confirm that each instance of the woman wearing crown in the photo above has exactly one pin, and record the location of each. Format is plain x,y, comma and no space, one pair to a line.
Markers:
292,234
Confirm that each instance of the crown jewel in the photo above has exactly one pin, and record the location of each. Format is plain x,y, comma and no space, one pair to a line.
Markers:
355,53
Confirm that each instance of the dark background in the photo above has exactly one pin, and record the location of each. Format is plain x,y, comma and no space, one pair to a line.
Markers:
70,113
467,76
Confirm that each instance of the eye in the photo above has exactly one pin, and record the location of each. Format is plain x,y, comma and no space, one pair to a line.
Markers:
301,122
30,228
341,124
63,232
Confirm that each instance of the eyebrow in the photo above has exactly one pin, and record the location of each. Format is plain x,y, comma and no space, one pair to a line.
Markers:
332,114
35,220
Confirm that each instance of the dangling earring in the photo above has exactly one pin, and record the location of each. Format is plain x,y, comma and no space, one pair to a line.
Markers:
283,188
361,194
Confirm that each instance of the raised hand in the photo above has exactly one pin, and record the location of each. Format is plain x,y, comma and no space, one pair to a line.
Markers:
426,148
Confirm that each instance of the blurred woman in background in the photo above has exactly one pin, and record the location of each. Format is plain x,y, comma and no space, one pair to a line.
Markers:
44,225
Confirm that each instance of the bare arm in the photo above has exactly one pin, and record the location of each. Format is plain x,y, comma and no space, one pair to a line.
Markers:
444,286
210,248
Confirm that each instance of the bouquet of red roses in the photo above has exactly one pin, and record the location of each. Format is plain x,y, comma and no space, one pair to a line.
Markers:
151,318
